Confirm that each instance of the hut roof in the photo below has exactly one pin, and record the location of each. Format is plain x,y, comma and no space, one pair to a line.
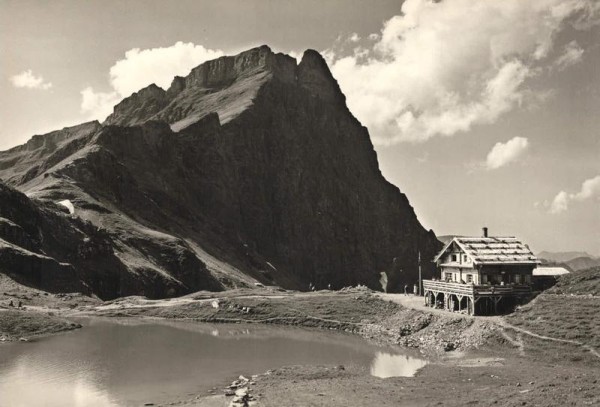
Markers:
549,271
493,250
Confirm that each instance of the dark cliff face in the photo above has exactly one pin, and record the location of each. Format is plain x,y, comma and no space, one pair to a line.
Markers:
249,169
42,245
226,86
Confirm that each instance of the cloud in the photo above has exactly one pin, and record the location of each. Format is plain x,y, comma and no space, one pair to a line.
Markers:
572,54
505,153
297,55
27,79
141,67
98,105
560,203
589,189
442,67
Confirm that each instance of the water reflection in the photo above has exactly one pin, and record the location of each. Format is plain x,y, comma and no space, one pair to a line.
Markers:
48,385
126,362
390,365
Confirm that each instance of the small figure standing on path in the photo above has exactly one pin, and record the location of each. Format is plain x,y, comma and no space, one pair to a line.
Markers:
405,289
20,304
10,304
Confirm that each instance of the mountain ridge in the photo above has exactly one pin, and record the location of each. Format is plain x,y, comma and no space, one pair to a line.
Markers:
243,74
251,169
563,256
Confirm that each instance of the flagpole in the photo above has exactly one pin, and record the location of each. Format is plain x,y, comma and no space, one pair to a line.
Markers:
420,277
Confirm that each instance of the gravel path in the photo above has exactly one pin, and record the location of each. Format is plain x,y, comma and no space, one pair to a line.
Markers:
418,303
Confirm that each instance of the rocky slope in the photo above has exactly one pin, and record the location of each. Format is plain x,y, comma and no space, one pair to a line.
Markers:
249,169
43,246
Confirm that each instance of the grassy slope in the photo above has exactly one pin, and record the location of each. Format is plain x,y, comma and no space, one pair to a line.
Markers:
37,315
336,310
583,282
16,324
569,311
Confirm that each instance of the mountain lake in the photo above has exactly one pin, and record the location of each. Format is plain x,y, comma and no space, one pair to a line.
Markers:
123,362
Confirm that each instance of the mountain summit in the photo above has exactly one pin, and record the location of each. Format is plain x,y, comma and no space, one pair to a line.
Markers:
250,169
226,86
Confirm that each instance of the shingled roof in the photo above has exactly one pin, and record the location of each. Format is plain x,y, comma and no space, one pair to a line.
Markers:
493,250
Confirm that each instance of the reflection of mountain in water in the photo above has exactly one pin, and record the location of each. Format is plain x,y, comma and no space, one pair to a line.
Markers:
388,365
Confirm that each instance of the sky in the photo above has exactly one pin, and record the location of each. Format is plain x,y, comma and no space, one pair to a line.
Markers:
483,112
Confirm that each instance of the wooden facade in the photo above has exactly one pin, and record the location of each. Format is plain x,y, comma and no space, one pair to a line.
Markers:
481,275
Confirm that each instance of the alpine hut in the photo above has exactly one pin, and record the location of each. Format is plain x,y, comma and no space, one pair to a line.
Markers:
481,275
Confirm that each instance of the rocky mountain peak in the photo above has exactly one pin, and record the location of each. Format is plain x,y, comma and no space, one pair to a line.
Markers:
315,76
251,168
227,86
177,85
142,104
225,70
51,140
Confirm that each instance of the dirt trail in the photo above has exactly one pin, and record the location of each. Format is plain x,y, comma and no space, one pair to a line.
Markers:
517,342
504,324
417,303
142,302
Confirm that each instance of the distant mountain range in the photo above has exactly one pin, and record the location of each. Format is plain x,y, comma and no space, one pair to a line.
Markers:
573,261
562,256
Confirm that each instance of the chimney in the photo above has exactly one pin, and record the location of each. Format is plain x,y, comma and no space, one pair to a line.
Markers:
485,231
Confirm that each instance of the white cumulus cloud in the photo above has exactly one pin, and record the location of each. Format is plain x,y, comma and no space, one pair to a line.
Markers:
505,153
572,54
442,67
98,104
590,189
141,67
27,79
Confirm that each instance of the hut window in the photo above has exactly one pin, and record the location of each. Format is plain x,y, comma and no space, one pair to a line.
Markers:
465,259
454,257
469,278
517,278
